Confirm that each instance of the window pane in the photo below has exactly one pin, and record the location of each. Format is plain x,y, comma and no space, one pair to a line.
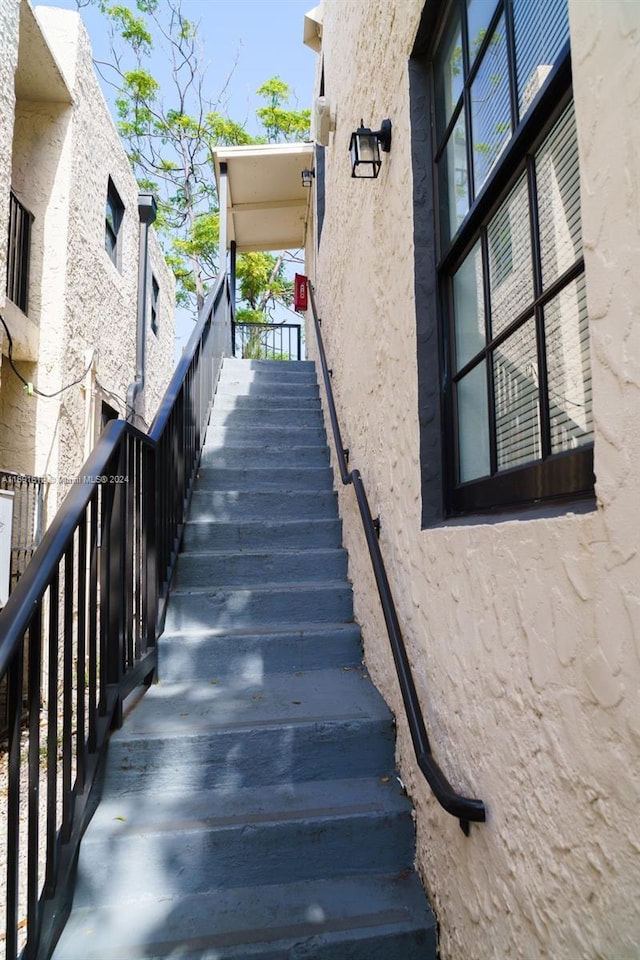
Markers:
479,13
515,379
468,307
541,28
510,268
558,180
473,425
453,186
448,75
568,368
490,107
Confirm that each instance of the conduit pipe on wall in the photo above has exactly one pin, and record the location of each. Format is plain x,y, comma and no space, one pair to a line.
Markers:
147,209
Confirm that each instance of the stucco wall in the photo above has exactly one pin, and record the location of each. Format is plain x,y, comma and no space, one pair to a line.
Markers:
101,300
9,19
523,634
84,307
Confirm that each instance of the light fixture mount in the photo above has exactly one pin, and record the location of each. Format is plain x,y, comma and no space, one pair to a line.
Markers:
307,177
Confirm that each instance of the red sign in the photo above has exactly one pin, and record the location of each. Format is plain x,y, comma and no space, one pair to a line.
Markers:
300,292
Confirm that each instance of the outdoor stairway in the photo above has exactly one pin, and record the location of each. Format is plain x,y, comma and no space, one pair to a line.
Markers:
250,807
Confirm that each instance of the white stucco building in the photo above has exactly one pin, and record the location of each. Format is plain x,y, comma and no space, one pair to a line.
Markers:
480,310
70,248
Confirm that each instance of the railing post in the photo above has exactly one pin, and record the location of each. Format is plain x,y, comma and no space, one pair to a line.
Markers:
149,543
115,496
222,219
14,680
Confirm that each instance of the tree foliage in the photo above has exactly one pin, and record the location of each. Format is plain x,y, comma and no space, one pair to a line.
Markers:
170,128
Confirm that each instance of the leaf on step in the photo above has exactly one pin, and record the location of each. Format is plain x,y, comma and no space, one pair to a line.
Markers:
121,819
257,696
214,682
296,701
185,713
385,779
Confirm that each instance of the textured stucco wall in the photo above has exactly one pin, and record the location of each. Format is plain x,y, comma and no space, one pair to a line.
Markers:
83,305
523,634
9,21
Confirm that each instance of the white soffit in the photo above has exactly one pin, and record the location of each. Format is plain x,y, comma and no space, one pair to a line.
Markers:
38,77
267,206
312,34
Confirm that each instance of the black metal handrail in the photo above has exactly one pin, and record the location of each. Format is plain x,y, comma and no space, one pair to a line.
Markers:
266,341
466,809
79,631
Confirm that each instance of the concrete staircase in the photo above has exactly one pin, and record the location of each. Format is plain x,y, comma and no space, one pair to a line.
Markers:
250,807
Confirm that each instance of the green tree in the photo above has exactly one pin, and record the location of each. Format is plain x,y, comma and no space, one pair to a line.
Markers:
169,134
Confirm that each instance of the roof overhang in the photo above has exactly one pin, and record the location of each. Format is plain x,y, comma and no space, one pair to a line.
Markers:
266,205
38,76
312,32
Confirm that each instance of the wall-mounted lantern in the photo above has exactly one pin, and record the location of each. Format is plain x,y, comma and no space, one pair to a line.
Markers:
365,147
307,177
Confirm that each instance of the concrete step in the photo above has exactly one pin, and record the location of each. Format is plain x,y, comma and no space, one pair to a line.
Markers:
264,434
258,478
264,407
243,656
250,505
287,833
270,369
370,917
218,608
249,536
238,731
274,455
204,568
259,387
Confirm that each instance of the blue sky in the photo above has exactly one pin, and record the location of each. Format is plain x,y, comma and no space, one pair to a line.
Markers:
266,35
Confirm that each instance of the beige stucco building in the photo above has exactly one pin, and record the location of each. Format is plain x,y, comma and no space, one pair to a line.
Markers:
480,310
70,246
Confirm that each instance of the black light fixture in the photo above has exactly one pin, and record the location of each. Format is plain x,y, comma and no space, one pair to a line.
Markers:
365,147
307,177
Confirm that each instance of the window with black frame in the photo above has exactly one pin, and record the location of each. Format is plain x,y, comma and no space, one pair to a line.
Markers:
18,253
114,213
155,296
515,331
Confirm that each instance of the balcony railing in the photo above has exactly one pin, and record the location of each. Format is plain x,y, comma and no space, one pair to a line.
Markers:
267,341
79,631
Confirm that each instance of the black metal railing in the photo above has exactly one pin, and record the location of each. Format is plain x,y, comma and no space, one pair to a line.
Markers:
27,495
79,631
267,341
466,809
18,253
